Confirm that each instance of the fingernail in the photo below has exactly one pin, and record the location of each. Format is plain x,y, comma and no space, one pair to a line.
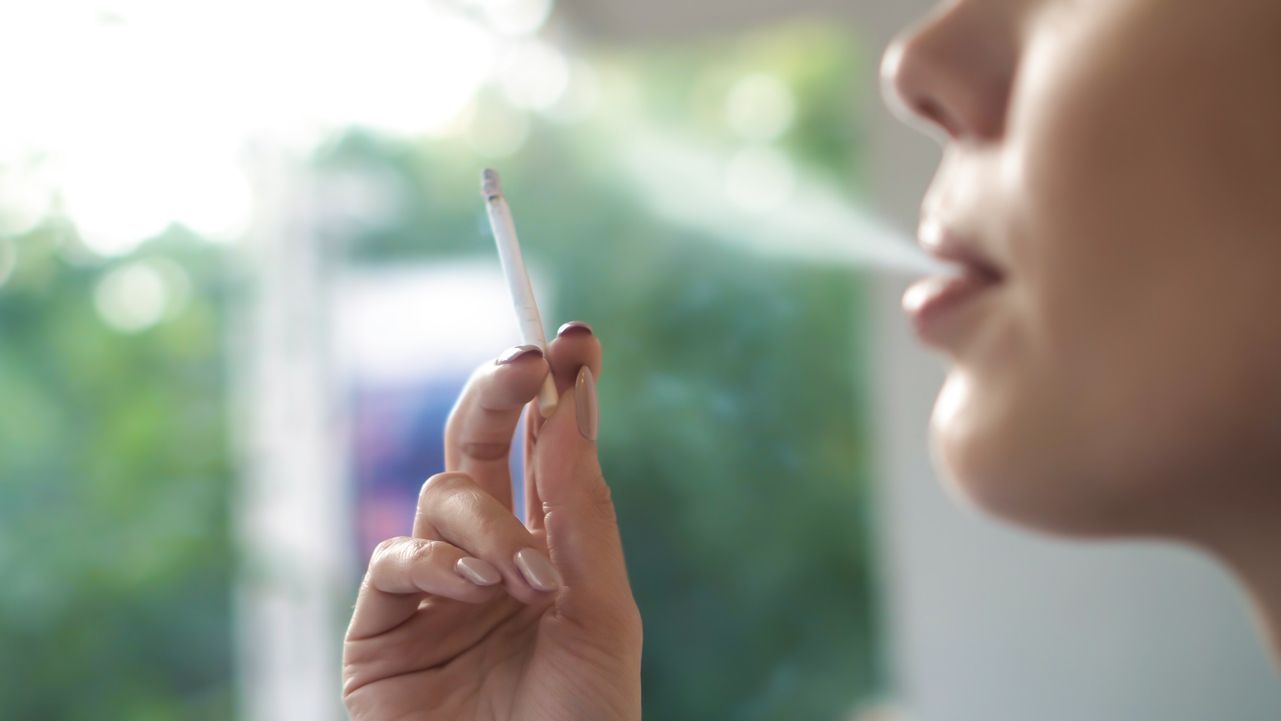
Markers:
585,403
515,352
479,572
536,569
574,327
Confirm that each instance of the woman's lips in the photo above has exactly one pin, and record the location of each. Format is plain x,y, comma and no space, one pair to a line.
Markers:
933,302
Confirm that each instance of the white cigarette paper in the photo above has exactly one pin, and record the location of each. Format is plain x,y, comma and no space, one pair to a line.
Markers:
522,292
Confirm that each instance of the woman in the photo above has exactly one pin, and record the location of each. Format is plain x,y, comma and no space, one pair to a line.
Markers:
1112,185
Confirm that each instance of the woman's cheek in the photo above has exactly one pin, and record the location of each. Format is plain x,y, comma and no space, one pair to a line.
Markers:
1131,368
1018,429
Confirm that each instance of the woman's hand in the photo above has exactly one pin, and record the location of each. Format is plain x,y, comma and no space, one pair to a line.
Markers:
468,620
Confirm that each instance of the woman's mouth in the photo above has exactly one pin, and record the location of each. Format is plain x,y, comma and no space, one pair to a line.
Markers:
936,304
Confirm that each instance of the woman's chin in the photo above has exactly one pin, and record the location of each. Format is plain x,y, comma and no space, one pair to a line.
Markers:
1019,470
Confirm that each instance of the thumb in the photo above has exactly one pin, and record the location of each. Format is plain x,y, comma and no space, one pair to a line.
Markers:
582,527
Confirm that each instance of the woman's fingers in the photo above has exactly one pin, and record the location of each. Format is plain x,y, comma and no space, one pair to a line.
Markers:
581,524
466,546
454,508
402,570
574,346
478,434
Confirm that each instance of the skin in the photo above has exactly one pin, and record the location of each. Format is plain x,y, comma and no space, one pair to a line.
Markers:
1118,163
426,644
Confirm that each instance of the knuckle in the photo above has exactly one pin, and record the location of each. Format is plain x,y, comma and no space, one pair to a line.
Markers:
386,548
597,503
617,610
441,485
485,524
600,502
630,621
483,451
425,551
502,531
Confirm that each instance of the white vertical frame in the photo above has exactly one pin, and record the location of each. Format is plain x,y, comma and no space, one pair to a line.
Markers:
290,513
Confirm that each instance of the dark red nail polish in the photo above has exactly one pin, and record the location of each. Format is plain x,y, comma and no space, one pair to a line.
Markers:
574,327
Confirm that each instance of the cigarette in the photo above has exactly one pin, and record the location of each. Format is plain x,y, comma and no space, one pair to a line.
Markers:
522,293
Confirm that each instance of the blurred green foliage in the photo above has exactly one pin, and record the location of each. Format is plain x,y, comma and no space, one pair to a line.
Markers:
114,485
733,416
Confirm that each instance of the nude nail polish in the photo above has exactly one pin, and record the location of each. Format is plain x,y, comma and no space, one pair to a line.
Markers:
585,403
537,570
479,572
516,353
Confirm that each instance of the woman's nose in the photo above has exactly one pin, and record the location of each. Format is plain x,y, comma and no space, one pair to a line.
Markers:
954,71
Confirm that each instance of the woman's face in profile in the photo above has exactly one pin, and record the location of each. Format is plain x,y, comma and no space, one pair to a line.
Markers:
1118,163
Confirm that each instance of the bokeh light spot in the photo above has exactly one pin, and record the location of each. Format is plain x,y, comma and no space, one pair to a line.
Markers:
496,131
516,17
760,107
534,75
139,294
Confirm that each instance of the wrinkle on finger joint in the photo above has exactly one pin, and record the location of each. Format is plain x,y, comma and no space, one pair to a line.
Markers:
486,451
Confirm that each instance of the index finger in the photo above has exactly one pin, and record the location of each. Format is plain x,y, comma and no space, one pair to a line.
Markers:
478,434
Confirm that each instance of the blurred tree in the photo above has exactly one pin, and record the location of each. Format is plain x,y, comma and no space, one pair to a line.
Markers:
114,475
